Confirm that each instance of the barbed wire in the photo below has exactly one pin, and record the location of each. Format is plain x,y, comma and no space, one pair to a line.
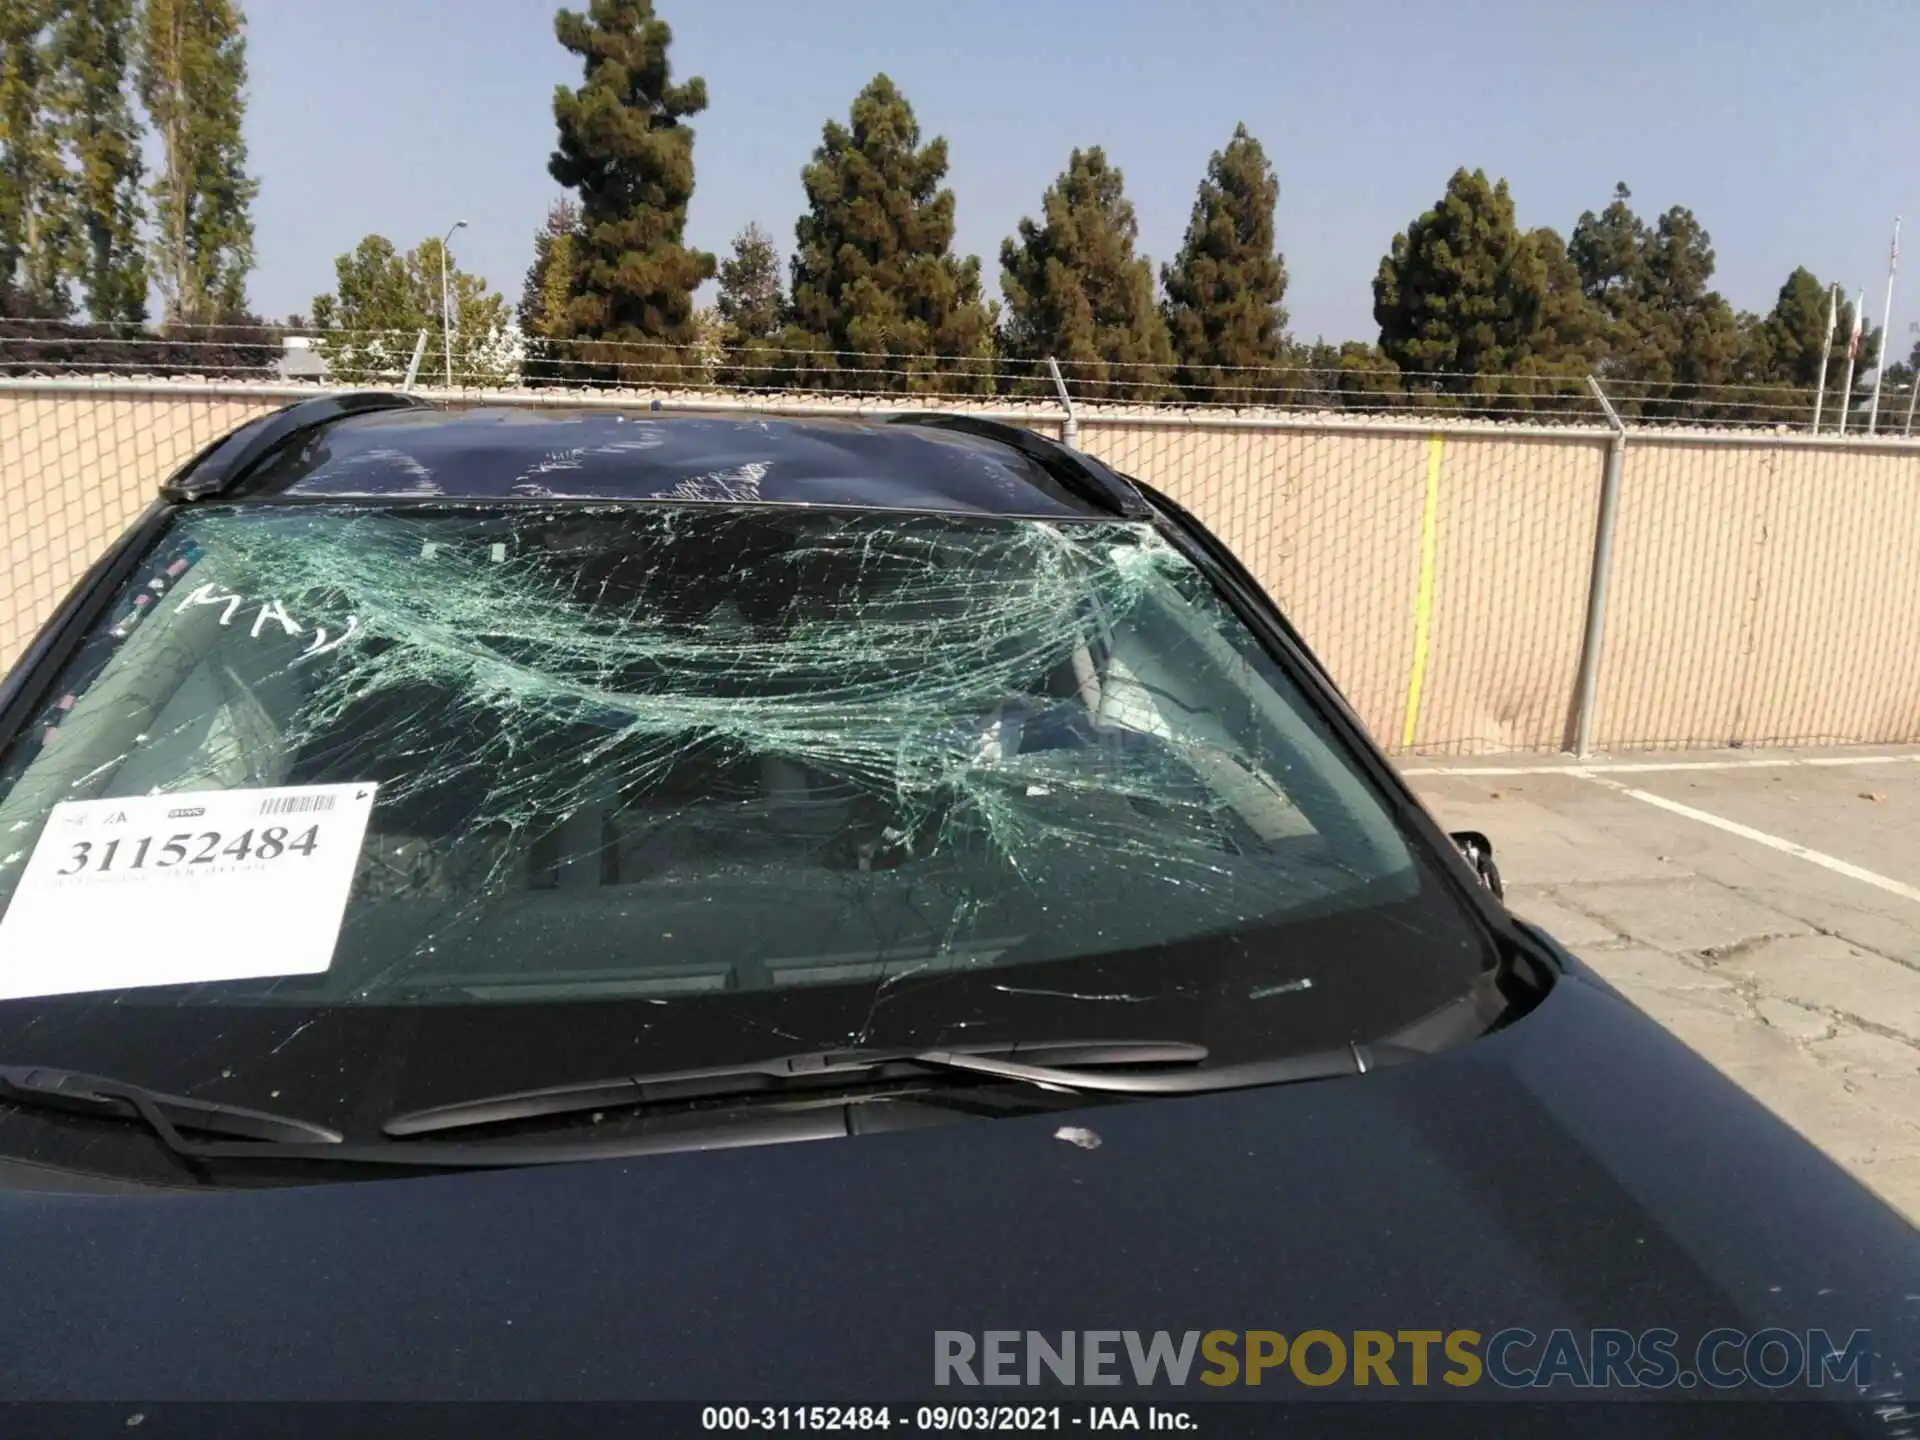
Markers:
1288,379
759,358
174,335
760,368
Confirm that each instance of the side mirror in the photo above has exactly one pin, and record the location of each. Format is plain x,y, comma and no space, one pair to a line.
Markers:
1478,851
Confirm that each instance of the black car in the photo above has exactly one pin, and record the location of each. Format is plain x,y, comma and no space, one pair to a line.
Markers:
450,855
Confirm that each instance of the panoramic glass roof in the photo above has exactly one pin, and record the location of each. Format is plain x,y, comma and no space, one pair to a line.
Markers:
562,454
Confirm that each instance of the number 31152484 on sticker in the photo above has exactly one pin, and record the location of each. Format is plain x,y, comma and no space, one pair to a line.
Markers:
101,904
132,853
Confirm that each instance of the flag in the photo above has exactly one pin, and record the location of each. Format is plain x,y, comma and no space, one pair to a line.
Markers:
1853,344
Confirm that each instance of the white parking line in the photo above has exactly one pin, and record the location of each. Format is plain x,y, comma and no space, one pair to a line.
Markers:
1642,767
1759,837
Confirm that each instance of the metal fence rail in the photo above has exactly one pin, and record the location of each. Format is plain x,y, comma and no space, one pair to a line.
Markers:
1475,586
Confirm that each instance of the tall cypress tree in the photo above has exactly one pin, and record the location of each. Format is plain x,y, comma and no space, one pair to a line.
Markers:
874,274
192,77
1463,290
1075,290
35,188
626,149
92,55
1226,286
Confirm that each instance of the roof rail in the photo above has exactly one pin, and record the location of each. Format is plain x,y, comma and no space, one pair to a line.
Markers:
1083,475
219,468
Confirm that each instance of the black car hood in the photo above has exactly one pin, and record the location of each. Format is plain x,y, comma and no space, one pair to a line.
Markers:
1578,1168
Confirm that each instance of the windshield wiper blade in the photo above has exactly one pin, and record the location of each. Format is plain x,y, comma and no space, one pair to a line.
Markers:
259,1135
1351,1059
48,1087
1038,1062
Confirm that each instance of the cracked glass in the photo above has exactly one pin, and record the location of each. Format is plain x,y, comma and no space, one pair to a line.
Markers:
719,754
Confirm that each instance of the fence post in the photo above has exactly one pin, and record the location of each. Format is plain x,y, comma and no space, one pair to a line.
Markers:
1589,682
1070,427
1820,385
413,365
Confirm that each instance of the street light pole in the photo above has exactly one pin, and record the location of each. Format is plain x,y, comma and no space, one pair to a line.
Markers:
446,312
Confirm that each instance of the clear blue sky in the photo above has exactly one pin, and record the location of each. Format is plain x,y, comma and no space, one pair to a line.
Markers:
1792,130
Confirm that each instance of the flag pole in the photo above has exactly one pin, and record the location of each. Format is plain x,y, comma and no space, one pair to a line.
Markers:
1886,329
1853,354
1820,386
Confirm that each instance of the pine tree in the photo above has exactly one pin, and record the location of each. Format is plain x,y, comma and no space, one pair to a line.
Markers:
1794,334
625,147
1462,291
1785,349
751,304
1226,286
192,72
1607,251
1075,290
547,291
1572,333
35,187
92,47
1669,338
749,314
1568,343
874,275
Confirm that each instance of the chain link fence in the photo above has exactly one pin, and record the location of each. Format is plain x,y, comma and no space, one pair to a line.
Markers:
74,472
1440,574
1763,594
1441,565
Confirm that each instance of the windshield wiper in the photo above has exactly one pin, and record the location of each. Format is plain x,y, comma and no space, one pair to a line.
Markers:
812,1072
259,1135
1070,1067
1076,1067
46,1087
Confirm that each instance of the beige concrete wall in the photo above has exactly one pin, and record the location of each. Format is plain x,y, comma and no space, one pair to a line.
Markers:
1761,590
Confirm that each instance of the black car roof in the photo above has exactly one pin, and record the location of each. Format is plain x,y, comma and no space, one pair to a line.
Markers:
388,447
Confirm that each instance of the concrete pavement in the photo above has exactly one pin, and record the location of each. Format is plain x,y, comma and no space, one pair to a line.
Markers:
1764,907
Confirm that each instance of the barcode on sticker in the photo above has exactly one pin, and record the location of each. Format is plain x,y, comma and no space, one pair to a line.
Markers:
295,804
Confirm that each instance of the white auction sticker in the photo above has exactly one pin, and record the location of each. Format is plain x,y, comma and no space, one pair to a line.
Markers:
184,889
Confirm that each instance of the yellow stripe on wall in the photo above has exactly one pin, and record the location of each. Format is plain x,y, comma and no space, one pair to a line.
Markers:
1423,602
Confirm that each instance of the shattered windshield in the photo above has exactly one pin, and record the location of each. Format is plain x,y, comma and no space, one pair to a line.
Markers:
814,772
